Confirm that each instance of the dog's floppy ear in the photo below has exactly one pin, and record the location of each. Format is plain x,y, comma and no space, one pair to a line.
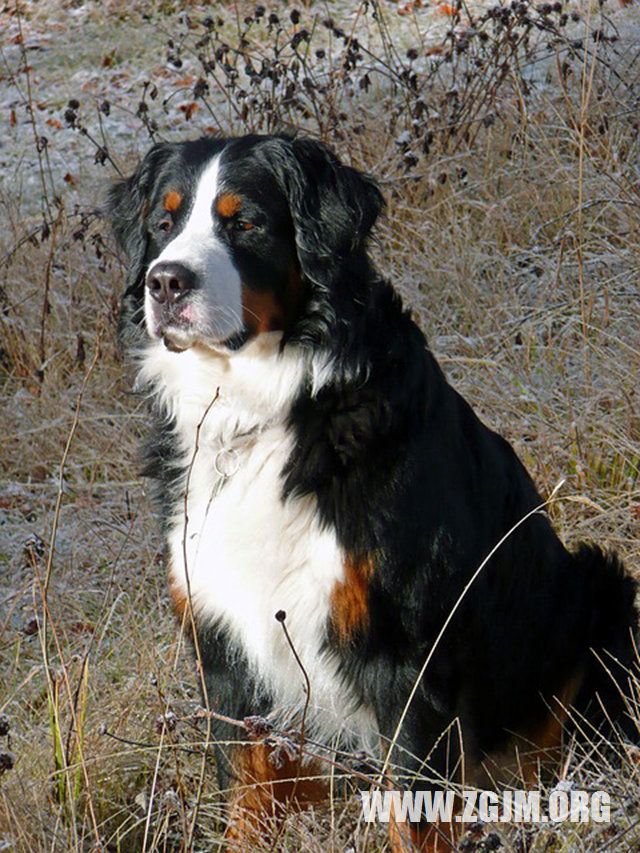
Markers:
333,206
127,207
128,203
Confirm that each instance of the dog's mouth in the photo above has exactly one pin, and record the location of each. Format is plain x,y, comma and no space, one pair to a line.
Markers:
175,325
177,341
172,345
179,332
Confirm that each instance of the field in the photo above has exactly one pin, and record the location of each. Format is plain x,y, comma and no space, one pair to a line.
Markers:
506,141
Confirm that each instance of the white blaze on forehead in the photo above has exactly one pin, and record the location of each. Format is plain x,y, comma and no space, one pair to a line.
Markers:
199,222
207,187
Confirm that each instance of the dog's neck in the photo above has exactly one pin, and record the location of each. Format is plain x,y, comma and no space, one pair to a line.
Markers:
232,393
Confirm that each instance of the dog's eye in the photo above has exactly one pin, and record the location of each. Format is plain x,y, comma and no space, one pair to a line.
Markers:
165,224
243,225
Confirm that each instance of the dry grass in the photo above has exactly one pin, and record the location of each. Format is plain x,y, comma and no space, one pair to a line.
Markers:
517,241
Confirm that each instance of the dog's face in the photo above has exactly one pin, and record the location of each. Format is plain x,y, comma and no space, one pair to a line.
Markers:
223,265
231,238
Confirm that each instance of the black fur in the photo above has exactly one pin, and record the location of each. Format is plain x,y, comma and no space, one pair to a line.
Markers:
401,469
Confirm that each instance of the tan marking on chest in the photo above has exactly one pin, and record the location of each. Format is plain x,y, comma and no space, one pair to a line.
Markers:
350,598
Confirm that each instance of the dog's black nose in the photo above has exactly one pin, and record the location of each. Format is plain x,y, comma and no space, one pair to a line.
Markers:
168,281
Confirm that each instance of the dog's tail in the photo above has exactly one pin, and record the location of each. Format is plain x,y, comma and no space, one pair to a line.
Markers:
609,688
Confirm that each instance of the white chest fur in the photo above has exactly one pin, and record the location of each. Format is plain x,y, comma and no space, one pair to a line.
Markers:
237,549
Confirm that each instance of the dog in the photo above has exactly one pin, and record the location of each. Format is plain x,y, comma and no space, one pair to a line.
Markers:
311,461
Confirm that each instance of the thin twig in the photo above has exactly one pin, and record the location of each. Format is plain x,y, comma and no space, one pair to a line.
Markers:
190,614
281,617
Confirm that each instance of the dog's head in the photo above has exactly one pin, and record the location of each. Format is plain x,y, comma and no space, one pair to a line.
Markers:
226,239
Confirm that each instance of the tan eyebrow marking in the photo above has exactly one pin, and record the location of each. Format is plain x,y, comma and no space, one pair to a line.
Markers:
228,204
172,201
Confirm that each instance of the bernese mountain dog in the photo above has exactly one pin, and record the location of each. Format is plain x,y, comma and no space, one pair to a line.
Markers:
312,463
